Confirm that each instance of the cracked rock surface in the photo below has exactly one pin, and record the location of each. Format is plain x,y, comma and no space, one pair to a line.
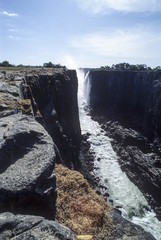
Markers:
27,176
18,227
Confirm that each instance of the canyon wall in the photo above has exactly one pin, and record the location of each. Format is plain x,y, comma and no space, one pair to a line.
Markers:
132,97
54,101
128,104
39,126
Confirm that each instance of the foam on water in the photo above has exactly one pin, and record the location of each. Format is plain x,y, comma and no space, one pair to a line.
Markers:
124,194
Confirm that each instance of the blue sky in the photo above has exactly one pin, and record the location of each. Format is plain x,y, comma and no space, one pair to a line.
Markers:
84,33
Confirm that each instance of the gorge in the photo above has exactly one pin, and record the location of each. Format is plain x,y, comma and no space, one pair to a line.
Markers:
130,103
40,126
100,93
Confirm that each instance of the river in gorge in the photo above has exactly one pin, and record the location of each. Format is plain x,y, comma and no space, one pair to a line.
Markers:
124,195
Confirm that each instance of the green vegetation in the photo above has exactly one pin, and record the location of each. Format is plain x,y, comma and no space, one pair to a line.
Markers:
45,65
52,65
115,67
130,67
6,64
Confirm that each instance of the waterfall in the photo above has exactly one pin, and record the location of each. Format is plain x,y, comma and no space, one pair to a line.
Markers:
123,193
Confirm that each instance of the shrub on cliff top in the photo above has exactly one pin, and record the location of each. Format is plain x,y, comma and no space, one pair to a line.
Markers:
52,65
79,207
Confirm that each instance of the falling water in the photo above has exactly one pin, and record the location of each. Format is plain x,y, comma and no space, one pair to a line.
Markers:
123,193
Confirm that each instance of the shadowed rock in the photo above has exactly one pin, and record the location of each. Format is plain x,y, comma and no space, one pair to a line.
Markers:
27,177
55,98
132,97
127,230
20,227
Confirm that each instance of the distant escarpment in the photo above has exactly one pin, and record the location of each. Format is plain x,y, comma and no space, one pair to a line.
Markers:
128,104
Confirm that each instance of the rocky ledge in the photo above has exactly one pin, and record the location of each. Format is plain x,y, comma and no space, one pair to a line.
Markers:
19,227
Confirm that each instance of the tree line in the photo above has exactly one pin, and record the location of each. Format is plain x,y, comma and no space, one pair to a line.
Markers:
46,65
130,67
117,67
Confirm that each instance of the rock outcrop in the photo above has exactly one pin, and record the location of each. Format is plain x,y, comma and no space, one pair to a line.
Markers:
127,230
18,227
55,98
127,104
27,176
8,98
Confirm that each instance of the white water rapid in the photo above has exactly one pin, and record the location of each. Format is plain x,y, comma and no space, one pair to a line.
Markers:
124,194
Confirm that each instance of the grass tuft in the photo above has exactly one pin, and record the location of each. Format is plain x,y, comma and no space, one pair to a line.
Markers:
79,207
25,106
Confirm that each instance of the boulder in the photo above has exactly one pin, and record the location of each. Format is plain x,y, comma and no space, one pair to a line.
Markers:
27,176
128,231
18,227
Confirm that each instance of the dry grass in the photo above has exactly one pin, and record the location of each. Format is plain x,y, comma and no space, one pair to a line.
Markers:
9,102
25,106
79,207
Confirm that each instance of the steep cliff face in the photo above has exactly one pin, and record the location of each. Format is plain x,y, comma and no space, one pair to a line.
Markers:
54,98
134,97
128,104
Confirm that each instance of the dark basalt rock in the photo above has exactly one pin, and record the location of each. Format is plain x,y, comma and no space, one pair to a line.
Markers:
20,227
128,230
140,161
127,104
132,97
55,97
27,176
87,166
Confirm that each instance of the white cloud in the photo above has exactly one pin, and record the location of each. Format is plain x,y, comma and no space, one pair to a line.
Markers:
97,6
13,30
133,44
9,14
14,37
